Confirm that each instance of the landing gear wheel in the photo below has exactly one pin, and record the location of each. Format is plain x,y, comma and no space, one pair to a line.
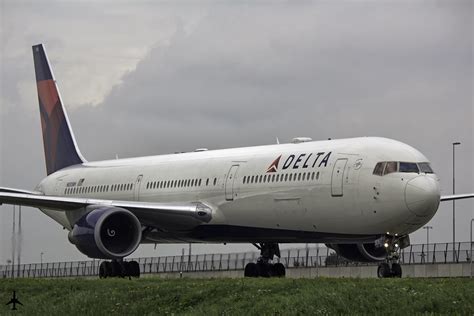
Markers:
134,269
251,270
263,270
116,269
383,270
126,269
104,270
396,270
279,269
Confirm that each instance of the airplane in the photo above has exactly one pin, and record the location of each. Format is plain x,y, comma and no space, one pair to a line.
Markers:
360,196
14,301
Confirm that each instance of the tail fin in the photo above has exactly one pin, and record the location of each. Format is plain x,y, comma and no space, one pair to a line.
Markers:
60,148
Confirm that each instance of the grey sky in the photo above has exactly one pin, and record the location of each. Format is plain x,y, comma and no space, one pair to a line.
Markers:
157,77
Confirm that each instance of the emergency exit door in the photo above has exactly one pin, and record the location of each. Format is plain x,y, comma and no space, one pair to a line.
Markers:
337,178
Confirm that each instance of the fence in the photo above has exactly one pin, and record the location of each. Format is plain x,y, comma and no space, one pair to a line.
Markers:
291,258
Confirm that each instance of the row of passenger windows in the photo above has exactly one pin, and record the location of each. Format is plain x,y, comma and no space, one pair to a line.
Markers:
302,176
99,188
178,183
386,167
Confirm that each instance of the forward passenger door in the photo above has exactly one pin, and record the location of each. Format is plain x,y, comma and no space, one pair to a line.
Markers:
229,183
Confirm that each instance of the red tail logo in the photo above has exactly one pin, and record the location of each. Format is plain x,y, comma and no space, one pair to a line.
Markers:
274,166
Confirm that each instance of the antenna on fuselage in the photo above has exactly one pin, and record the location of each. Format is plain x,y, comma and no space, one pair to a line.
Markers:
278,141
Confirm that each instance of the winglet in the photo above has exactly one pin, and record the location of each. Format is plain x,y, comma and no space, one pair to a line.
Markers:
60,147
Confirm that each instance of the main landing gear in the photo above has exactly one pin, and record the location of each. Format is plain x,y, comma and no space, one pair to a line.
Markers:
391,268
119,268
263,268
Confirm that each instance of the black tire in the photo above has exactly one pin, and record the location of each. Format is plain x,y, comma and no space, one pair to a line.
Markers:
279,270
134,269
126,269
396,270
103,271
115,269
263,270
251,270
383,271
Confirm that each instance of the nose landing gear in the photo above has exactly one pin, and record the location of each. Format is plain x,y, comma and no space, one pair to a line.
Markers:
391,268
263,268
385,271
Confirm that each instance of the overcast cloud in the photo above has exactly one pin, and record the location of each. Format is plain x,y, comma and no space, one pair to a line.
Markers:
154,78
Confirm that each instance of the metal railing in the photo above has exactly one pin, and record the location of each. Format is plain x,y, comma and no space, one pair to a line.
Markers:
291,258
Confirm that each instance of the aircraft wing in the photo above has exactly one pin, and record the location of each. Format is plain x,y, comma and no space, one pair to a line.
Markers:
167,216
457,197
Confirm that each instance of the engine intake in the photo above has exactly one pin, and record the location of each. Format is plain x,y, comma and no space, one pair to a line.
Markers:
106,233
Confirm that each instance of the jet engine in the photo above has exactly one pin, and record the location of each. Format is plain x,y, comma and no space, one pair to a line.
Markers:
368,252
106,233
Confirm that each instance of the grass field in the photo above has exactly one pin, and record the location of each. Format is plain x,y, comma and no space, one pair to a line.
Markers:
154,296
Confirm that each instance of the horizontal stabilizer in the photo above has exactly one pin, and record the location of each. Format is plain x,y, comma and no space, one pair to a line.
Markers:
457,197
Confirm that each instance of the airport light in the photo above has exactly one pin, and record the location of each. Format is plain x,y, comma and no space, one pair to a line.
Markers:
428,241
41,257
454,201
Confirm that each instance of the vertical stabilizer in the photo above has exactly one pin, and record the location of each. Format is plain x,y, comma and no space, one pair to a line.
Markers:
60,148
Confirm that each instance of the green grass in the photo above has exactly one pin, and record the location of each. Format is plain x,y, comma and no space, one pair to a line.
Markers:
154,296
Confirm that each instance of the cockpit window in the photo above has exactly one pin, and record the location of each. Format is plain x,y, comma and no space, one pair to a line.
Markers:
408,167
390,167
378,170
386,167
425,167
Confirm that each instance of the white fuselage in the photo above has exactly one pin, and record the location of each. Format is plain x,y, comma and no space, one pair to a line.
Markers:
333,194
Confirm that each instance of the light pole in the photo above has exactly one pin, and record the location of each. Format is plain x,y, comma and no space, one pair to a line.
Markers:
454,202
428,241
470,255
9,262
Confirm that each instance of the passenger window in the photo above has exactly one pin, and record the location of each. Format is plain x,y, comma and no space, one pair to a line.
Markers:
391,167
207,181
317,175
425,167
215,181
378,170
408,167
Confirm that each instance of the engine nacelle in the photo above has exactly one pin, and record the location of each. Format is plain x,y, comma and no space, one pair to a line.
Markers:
106,232
360,252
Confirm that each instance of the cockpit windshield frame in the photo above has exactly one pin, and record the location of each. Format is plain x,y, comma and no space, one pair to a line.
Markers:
386,167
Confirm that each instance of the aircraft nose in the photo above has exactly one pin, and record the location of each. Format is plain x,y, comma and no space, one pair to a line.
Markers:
422,195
